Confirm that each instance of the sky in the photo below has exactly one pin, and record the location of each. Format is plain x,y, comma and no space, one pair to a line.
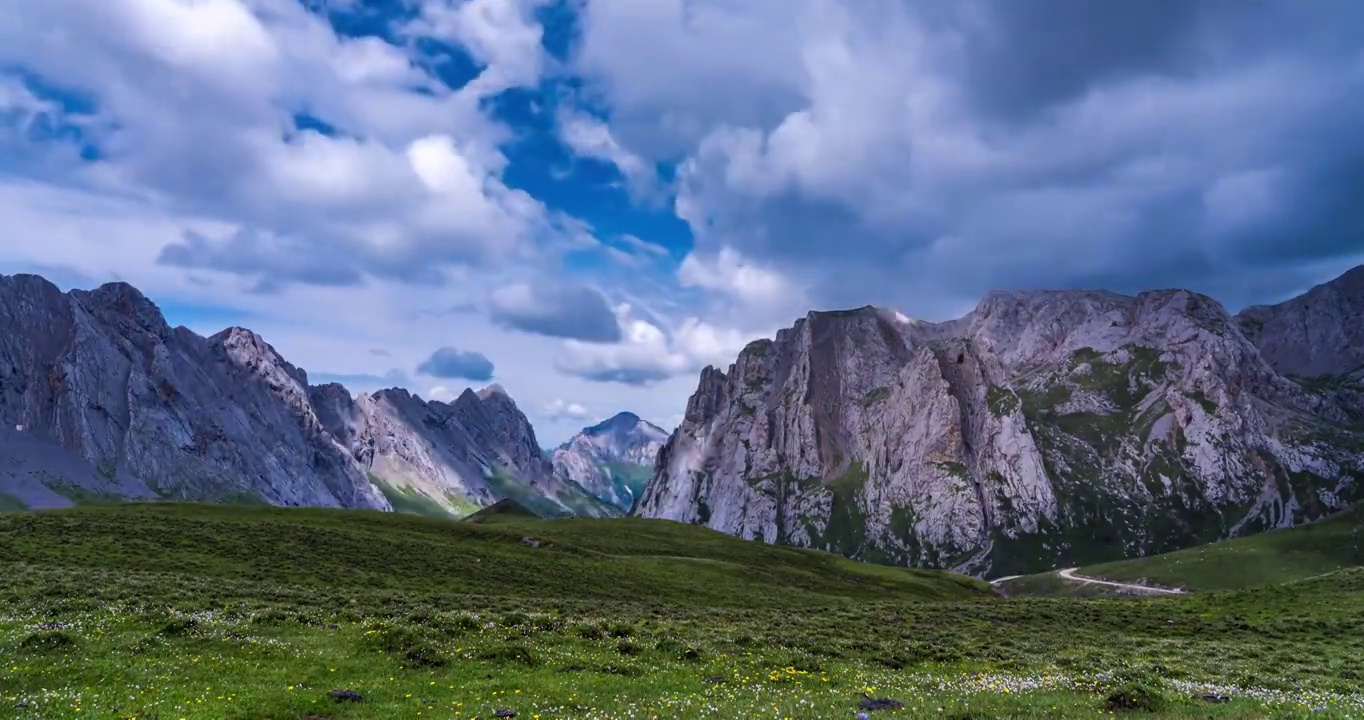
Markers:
587,201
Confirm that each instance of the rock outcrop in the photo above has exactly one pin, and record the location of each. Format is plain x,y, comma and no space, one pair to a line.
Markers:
1318,334
101,399
1042,428
613,460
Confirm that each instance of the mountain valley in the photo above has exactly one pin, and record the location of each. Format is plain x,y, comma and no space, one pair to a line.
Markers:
1042,429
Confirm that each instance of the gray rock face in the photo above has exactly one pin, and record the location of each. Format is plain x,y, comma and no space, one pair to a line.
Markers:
1318,333
613,460
460,456
1041,428
100,398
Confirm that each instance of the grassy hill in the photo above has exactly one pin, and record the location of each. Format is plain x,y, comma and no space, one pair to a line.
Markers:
502,510
1279,556
207,611
365,552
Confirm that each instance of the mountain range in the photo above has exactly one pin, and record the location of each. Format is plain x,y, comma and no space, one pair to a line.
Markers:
100,399
1043,428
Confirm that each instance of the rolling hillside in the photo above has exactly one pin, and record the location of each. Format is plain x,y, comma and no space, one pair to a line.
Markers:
365,552
1280,556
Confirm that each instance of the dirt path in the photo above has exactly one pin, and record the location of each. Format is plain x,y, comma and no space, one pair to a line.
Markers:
1069,574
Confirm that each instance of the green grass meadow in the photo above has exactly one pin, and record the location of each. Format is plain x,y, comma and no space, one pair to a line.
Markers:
202,611
1278,556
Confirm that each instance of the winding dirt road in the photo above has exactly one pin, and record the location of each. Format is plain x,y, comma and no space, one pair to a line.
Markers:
1069,574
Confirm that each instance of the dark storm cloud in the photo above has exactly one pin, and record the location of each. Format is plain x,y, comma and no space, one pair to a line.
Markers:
1034,53
555,309
632,376
450,363
270,261
1057,143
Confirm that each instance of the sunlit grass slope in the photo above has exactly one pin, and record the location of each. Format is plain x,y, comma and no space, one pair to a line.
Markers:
1326,546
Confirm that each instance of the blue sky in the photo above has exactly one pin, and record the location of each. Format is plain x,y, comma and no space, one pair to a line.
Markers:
589,200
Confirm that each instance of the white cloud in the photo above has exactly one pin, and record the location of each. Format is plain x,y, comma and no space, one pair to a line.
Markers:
730,273
647,355
591,138
1243,199
643,247
558,409
412,185
501,34
709,62
20,107
554,307
342,174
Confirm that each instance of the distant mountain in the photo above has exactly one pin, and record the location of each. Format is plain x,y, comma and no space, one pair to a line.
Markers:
1043,428
101,399
613,460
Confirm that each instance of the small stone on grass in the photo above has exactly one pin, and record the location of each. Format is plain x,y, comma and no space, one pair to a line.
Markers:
871,703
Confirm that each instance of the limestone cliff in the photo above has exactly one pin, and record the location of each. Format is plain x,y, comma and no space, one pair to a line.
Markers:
1042,428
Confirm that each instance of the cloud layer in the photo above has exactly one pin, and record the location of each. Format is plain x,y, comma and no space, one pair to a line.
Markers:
920,153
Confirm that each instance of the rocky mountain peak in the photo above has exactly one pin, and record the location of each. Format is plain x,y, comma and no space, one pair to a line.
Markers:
620,422
493,415
864,312
143,412
392,396
121,296
612,459
620,432
34,287
124,306
1320,332
250,351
